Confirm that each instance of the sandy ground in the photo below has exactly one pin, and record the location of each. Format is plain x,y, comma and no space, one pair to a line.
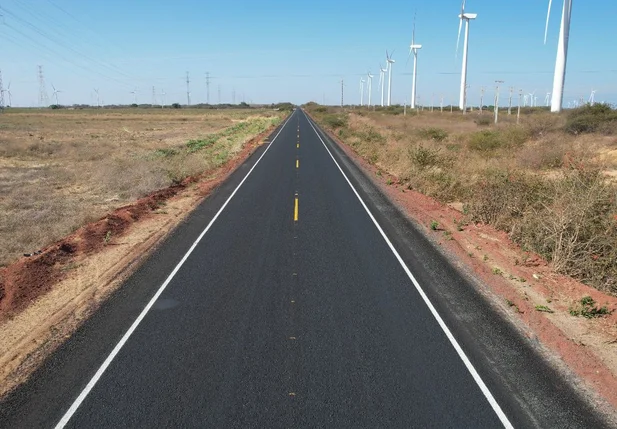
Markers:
518,281
48,296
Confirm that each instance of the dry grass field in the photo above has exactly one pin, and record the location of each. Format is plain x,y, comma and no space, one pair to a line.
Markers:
62,169
549,182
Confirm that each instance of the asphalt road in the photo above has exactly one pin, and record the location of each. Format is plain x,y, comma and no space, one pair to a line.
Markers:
306,301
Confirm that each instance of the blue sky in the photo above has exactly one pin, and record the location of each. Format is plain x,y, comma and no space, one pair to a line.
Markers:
273,50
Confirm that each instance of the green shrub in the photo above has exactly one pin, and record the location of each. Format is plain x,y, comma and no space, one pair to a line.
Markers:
335,121
436,134
425,157
589,119
485,141
587,308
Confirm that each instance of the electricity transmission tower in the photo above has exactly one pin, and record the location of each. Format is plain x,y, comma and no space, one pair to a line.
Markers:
207,87
43,98
188,90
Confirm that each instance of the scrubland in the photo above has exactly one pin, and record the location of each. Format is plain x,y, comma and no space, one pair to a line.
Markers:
61,169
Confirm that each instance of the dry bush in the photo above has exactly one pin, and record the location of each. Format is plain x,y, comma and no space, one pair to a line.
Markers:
502,197
549,153
575,227
543,124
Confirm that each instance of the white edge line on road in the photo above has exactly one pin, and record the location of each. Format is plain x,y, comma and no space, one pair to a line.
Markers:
84,393
487,393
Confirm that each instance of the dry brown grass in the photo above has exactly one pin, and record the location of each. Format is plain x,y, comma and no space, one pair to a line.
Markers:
60,169
554,192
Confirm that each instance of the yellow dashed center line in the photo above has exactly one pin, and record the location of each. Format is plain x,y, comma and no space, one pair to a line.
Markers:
296,210
297,163
298,145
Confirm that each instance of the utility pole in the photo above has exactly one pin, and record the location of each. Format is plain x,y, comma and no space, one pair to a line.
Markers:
207,87
342,92
510,101
153,97
43,98
219,91
498,82
188,90
233,96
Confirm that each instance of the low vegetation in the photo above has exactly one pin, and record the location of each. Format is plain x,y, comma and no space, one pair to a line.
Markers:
60,169
549,181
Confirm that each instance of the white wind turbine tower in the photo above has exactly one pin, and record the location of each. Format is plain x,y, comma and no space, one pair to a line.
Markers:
390,62
547,99
413,48
592,97
361,92
370,88
55,94
562,53
134,92
382,80
163,98
464,17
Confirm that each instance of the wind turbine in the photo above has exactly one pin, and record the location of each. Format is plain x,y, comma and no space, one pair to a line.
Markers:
390,62
562,53
370,88
547,99
382,80
532,98
55,94
413,48
592,97
361,92
163,98
134,92
464,17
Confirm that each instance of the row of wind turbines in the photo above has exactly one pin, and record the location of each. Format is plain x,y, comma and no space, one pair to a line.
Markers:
556,100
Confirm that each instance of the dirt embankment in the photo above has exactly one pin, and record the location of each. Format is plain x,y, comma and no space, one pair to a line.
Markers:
521,284
45,297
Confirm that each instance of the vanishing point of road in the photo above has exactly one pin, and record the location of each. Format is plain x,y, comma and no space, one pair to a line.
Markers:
297,296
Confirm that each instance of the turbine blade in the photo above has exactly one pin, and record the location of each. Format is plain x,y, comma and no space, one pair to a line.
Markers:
458,39
548,17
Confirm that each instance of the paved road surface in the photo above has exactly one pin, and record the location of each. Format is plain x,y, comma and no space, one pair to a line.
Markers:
294,310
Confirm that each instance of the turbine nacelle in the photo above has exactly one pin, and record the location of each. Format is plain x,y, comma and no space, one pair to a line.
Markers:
412,47
468,16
